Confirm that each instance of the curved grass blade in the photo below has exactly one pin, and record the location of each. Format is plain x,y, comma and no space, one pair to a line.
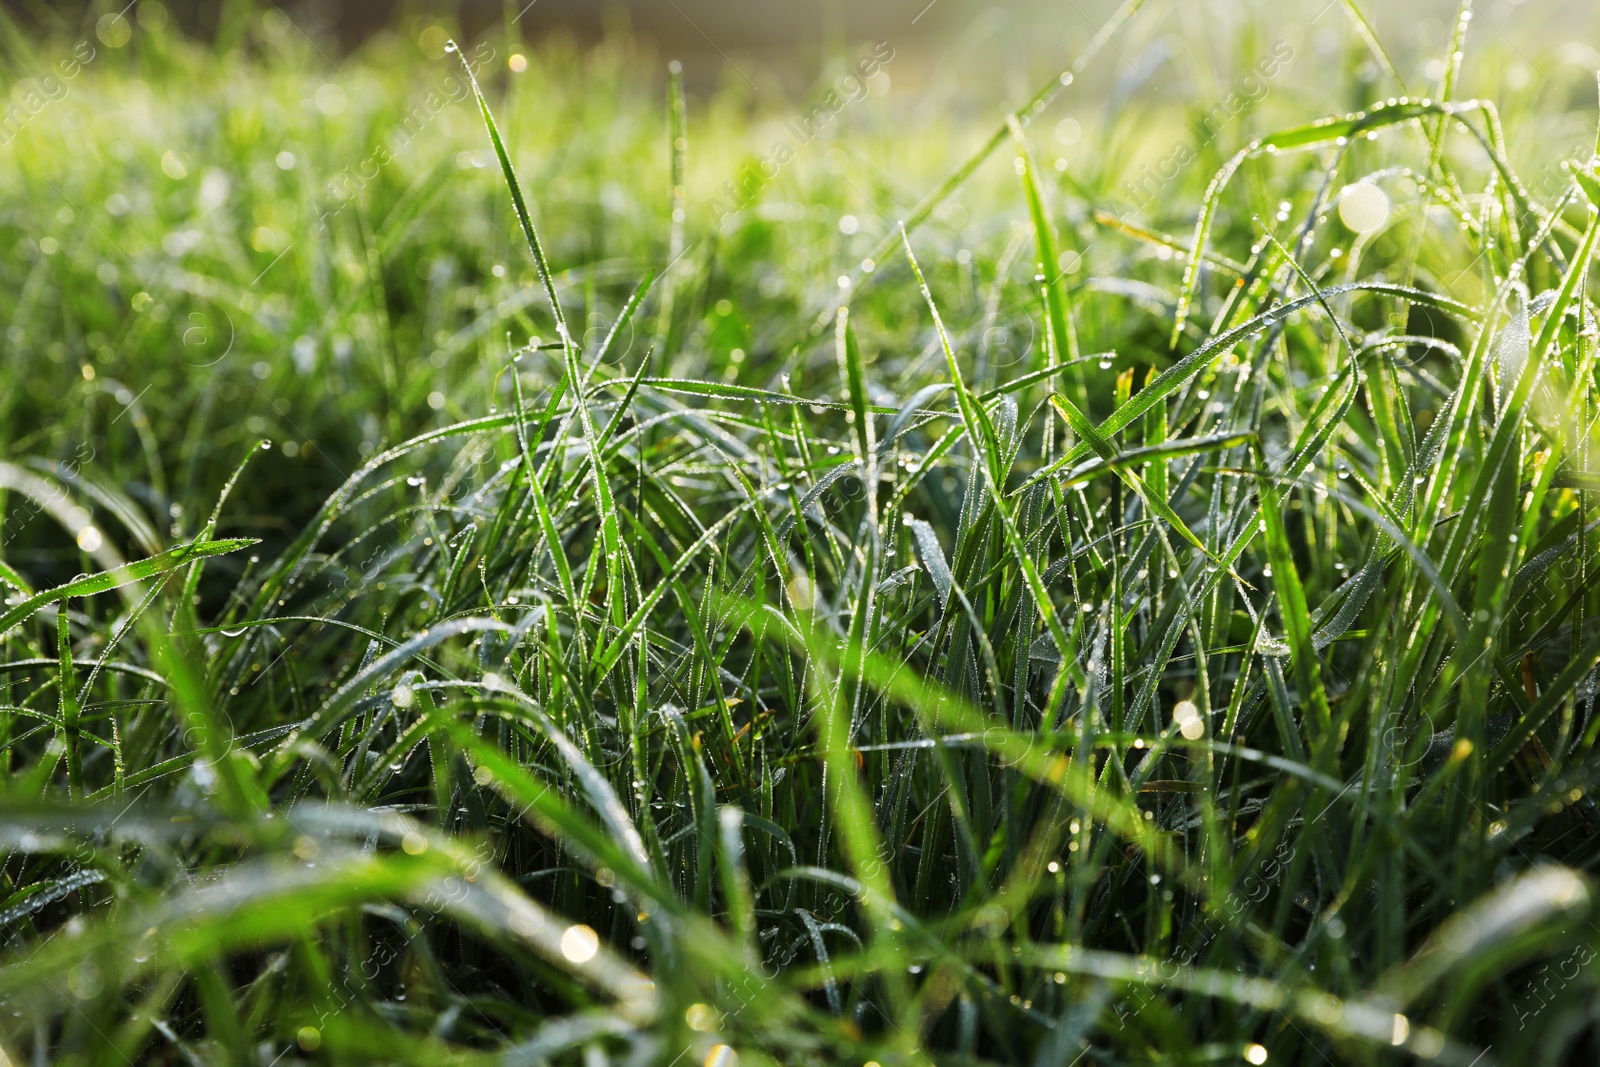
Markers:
523,218
127,574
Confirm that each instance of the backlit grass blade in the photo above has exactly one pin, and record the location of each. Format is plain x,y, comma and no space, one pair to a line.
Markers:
524,219
1063,334
1292,609
94,584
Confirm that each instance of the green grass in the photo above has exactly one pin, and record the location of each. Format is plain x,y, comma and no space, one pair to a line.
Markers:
455,619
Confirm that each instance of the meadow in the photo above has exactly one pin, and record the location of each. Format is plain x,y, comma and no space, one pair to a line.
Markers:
510,560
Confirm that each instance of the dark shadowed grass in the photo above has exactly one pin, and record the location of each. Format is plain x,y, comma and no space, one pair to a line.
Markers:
1087,645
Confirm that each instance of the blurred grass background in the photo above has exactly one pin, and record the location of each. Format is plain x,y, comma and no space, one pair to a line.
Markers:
236,202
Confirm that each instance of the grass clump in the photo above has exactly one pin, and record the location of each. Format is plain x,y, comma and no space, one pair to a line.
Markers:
1013,635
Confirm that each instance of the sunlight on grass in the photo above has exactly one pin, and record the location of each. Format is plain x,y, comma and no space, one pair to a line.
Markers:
500,568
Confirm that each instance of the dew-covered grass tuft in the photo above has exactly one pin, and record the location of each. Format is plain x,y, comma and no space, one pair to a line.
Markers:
476,594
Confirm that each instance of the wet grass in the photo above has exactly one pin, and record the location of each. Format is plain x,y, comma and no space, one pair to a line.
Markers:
468,602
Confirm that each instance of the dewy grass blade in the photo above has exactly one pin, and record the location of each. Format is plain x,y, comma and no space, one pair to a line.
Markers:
1293,610
13,579
604,501
980,431
138,571
1186,368
1063,334
1325,131
515,187
1080,425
